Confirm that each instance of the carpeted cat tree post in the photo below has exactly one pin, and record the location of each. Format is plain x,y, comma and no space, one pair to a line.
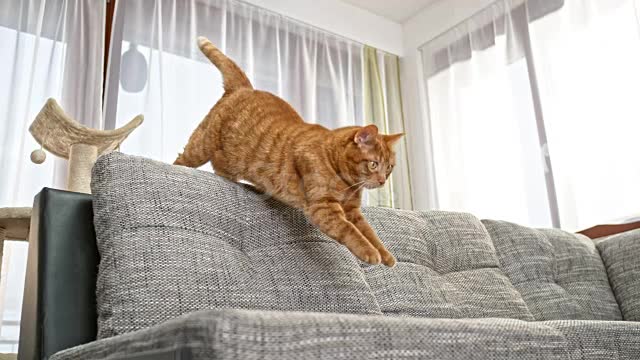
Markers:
64,137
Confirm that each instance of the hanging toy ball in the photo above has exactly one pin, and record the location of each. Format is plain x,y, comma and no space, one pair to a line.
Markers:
38,156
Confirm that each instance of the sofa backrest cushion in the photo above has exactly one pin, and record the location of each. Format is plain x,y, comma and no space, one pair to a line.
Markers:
560,275
174,240
621,256
447,267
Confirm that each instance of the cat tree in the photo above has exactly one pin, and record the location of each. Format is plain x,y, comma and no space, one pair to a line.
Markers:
62,136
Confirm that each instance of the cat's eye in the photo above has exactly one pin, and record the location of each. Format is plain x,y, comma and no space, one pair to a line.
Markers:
390,169
372,165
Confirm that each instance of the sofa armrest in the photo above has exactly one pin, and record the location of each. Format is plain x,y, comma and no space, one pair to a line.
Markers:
250,334
621,256
59,306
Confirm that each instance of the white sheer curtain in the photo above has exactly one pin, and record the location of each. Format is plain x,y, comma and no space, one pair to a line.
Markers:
49,48
486,149
160,72
383,108
587,57
534,114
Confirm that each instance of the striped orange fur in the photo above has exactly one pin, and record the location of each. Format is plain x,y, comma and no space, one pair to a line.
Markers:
255,136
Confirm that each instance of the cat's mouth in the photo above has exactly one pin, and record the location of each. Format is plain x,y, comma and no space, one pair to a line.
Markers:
371,186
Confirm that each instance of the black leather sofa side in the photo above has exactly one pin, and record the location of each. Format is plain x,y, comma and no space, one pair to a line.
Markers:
59,306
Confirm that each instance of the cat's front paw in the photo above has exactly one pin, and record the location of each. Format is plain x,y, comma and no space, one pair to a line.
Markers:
388,259
370,256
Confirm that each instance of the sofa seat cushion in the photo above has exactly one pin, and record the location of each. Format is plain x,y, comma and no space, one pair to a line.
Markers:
599,340
447,267
246,334
174,240
560,275
621,256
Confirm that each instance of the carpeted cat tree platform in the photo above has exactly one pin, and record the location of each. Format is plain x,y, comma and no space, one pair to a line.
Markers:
64,137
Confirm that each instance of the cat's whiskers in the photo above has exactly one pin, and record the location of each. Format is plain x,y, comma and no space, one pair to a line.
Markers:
356,184
356,190
361,186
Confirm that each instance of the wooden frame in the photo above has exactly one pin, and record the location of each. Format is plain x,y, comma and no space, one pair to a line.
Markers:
607,230
108,26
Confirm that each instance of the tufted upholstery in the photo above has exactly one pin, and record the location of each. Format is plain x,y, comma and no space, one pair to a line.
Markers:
620,254
560,275
447,267
171,243
174,240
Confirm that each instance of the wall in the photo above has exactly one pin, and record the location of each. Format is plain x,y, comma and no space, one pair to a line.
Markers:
424,26
343,19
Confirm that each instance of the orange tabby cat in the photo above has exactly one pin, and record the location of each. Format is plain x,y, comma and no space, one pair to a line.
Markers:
255,136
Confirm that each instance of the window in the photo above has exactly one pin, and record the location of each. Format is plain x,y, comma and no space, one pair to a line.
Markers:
533,113
12,286
318,73
587,57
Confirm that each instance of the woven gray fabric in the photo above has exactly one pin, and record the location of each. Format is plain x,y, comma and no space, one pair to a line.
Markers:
447,268
621,256
243,334
600,340
560,275
174,240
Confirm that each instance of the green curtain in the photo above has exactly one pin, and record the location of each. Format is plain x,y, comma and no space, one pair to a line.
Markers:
383,108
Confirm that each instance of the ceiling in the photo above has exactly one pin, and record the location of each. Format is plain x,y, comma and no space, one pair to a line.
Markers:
395,10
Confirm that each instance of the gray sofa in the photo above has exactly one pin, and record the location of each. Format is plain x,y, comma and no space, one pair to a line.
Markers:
195,267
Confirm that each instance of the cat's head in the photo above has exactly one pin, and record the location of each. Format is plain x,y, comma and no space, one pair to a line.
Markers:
369,157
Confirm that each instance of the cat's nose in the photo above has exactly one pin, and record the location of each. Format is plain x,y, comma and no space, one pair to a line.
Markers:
381,180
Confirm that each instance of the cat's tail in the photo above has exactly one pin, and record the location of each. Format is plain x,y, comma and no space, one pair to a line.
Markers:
195,153
234,77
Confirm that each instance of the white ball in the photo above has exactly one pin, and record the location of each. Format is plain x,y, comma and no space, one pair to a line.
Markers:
38,156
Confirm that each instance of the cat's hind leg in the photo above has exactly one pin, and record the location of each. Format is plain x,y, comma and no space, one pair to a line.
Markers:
196,152
220,167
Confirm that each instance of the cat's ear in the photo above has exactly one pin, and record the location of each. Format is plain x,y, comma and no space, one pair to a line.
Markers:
366,135
392,139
